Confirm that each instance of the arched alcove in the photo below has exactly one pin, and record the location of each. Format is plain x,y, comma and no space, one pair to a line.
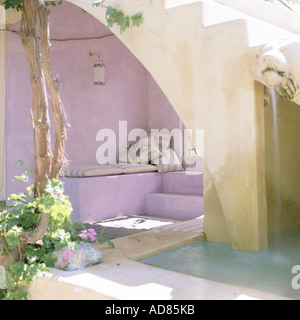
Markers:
161,45
130,93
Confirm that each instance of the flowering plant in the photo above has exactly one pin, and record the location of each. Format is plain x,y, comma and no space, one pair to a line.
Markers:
89,233
68,253
19,216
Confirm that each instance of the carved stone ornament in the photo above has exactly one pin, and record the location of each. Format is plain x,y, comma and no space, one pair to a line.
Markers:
279,67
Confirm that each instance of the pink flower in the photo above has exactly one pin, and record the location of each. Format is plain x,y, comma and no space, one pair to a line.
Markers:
92,234
89,233
92,231
67,253
83,234
93,238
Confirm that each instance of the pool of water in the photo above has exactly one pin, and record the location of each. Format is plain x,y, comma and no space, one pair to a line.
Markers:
268,271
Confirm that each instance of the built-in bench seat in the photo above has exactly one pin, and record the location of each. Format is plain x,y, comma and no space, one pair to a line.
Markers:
108,191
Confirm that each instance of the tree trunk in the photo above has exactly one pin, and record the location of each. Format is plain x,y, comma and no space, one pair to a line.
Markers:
60,120
47,165
40,116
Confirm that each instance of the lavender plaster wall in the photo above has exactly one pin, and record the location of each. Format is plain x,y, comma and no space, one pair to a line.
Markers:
130,92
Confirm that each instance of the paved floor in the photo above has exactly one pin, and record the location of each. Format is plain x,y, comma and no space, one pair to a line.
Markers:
124,226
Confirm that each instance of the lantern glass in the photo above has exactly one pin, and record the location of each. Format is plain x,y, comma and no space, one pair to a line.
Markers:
99,74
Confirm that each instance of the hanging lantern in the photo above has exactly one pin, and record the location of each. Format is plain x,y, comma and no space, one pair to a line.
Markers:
99,73
99,70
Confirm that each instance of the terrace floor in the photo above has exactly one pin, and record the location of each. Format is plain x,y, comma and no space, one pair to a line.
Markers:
125,226
121,277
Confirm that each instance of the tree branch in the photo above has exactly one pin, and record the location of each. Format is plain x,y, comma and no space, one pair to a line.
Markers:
38,233
59,116
40,119
41,124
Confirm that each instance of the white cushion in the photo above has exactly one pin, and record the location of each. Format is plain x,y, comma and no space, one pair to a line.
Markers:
143,151
162,138
169,161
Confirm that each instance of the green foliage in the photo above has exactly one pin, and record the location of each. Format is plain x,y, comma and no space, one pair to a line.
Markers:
19,275
53,3
15,4
114,16
137,19
12,239
18,4
22,215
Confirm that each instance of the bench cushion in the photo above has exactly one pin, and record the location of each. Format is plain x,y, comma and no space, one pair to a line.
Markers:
79,171
169,161
135,168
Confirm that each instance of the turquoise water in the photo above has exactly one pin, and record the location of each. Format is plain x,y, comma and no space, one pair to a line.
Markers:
268,271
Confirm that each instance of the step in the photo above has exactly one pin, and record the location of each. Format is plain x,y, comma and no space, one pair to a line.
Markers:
174,206
216,14
183,182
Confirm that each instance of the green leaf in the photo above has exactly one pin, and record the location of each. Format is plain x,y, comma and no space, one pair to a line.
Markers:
137,19
124,24
15,4
117,16
12,239
20,293
49,259
17,196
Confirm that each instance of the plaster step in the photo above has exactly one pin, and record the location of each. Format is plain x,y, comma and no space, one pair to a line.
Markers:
182,182
174,206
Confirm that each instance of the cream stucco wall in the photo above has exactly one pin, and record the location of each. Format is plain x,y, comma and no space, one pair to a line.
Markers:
234,143
273,13
283,174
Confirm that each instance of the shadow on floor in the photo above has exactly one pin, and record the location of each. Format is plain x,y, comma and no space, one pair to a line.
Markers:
124,226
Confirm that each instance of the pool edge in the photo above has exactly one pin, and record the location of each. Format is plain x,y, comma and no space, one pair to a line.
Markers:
121,277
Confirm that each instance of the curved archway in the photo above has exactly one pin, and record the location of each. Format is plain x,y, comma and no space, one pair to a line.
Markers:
162,46
173,43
